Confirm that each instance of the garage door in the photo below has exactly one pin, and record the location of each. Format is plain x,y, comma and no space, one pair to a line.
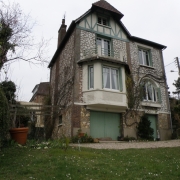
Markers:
103,125
153,120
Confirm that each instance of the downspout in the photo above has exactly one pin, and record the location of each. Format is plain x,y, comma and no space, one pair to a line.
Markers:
166,92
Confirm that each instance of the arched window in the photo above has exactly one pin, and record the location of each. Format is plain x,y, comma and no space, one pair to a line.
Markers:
150,91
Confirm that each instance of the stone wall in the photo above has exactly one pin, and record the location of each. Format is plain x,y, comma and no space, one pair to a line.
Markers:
62,76
52,82
87,42
65,128
130,122
119,47
164,126
85,120
156,72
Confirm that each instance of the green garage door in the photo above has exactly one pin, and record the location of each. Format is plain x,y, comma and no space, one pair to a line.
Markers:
103,124
153,120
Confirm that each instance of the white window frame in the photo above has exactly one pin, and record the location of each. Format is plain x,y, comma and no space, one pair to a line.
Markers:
90,78
143,57
110,78
150,88
101,21
101,46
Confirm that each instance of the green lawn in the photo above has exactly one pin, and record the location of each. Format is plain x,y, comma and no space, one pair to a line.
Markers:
89,164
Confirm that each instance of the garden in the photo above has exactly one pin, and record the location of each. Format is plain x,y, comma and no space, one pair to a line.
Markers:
51,160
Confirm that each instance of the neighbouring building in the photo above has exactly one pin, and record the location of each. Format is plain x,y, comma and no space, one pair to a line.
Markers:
88,74
40,92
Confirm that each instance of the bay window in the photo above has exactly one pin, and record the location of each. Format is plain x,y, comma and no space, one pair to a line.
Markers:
110,78
91,77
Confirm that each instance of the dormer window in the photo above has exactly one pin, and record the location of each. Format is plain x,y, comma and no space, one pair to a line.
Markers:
102,21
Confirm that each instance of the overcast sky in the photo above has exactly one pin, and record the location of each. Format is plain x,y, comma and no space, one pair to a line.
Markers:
154,20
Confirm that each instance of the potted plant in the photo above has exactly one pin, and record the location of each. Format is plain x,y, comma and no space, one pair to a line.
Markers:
18,114
20,120
80,133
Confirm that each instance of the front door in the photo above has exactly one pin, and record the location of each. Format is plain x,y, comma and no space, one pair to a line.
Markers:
153,120
104,124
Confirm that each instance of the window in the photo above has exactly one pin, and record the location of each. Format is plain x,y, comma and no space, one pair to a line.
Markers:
110,78
144,57
60,119
150,92
103,46
91,77
102,21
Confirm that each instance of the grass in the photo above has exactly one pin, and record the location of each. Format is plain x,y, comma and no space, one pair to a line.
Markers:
89,164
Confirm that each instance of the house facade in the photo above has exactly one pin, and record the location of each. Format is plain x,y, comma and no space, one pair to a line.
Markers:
88,78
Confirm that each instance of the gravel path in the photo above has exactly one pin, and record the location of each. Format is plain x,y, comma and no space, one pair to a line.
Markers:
128,145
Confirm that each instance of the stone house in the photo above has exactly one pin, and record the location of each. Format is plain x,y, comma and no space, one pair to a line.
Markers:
88,75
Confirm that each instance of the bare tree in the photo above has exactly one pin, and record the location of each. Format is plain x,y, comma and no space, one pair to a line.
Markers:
16,39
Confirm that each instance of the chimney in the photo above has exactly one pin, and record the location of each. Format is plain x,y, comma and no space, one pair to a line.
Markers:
61,32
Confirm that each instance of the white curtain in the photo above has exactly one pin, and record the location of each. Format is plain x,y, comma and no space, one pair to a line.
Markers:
106,78
150,92
114,77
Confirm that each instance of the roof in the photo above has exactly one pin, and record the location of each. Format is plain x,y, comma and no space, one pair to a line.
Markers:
105,59
105,5
117,16
145,41
42,89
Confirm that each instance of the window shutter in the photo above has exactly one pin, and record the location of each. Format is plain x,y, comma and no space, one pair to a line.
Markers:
120,79
150,59
141,88
102,77
159,94
88,78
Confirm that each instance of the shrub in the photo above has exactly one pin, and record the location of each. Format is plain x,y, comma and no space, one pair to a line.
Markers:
4,117
144,129
83,139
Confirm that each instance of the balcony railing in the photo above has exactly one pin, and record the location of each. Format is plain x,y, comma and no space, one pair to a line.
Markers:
102,52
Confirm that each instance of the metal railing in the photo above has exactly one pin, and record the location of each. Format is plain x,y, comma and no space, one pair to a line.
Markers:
101,52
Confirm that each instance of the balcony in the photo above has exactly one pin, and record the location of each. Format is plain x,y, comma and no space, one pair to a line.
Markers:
102,52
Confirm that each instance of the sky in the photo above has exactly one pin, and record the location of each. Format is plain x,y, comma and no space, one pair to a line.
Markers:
154,20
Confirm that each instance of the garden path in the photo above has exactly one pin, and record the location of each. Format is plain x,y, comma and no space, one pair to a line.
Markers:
130,145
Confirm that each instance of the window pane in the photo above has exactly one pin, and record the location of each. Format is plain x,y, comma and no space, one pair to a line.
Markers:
114,78
91,77
144,92
98,41
99,20
140,57
149,89
144,58
147,58
104,22
106,78
154,91
106,48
